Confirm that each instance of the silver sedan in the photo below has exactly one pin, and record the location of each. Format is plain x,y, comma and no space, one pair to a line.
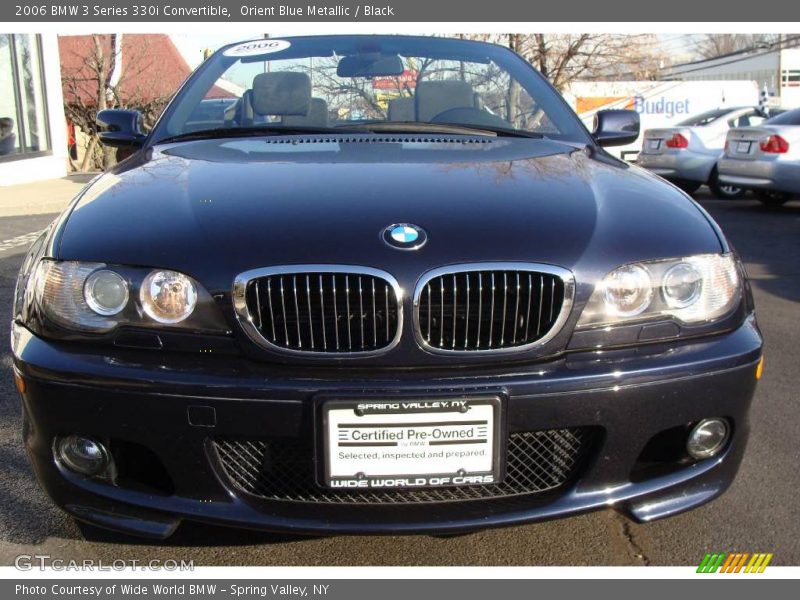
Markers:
687,154
765,158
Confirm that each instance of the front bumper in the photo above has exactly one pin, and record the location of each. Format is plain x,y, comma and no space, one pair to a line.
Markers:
679,165
630,395
773,174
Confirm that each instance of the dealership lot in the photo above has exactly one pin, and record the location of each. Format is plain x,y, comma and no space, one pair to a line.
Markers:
760,513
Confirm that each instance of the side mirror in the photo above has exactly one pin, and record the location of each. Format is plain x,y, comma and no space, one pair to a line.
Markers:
616,127
121,128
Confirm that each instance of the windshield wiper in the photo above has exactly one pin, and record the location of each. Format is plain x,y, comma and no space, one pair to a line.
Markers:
454,128
257,131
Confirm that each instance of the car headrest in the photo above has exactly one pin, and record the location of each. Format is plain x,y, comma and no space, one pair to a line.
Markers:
317,115
434,97
401,109
281,94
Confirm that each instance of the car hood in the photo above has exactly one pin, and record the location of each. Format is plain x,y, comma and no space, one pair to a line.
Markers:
215,208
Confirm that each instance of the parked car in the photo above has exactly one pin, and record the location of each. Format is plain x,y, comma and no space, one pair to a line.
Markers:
660,104
376,297
765,159
687,154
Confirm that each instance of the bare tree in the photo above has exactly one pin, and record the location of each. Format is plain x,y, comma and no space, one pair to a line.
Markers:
713,45
98,79
345,93
564,58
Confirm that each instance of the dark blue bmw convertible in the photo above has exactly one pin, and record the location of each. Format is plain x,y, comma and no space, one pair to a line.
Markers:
373,284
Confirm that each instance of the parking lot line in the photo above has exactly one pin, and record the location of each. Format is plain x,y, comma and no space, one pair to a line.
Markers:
21,240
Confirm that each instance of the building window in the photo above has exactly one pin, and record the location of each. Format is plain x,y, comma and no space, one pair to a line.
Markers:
23,107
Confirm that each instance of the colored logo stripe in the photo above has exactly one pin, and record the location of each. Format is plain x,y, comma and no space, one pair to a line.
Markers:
758,563
711,562
727,566
734,562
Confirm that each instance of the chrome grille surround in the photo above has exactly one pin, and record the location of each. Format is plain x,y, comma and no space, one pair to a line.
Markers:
248,320
565,276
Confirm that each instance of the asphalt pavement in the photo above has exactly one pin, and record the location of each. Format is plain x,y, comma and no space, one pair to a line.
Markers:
760,513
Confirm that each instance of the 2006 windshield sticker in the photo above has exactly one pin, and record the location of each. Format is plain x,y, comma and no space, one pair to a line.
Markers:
257,47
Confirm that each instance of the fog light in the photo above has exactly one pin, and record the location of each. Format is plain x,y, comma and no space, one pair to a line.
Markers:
82,454
707,438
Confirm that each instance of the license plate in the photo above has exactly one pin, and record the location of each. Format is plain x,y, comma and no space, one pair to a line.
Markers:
412,443
743,147
654,144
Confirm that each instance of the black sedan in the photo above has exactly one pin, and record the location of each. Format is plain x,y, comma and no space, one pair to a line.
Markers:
393,285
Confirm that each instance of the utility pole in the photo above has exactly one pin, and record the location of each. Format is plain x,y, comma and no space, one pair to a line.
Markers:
780,68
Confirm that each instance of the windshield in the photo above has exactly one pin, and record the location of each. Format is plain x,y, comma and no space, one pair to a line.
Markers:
790,117
364,82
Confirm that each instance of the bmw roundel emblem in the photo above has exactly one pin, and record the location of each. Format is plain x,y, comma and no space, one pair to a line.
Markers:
404,236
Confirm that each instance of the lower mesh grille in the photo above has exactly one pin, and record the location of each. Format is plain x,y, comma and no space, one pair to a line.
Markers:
537,461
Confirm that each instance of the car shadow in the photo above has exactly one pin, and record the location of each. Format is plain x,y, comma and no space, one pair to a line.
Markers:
27,515
81,177
197,535
768,239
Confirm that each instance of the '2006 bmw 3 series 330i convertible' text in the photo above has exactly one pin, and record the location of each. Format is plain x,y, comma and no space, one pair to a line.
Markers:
370,284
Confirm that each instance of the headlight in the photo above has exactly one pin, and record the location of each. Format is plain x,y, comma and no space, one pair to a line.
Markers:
682,285
627,291
59,293
106,292
168,296
694,289
86,297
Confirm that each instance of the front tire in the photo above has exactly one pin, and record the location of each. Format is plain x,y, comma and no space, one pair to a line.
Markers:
724,191
773,199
